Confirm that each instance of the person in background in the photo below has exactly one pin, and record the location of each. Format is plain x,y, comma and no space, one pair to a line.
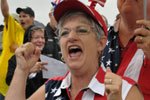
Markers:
82,39
35,35
52,48
37,23
1,27
128,47
13,35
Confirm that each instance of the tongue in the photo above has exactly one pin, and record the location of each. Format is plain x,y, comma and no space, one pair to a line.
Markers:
75,55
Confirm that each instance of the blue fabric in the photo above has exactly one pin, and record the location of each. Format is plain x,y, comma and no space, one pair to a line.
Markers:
1,97
111,54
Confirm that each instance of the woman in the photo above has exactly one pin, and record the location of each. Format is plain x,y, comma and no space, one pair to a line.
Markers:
35,35
82,39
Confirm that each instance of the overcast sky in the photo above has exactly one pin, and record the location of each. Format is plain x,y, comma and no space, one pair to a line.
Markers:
42,8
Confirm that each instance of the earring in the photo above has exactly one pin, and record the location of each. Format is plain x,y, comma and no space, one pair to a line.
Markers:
62,58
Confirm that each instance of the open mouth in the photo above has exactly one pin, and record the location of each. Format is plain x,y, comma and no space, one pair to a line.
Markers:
22,23
75,52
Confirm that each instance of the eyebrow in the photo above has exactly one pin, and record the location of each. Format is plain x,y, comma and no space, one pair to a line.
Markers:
75,27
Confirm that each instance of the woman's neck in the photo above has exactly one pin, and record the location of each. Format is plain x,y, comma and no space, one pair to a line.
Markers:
81,81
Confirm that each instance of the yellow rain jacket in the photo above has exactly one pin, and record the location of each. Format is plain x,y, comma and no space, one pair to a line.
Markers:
12,33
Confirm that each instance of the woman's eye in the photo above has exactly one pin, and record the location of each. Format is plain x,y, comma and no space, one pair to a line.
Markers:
82,31
64,33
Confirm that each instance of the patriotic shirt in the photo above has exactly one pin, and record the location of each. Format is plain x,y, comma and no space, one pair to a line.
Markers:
58,88
134,64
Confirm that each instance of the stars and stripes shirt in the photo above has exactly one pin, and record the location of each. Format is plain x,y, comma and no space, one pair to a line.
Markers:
134,64
58,88
111,53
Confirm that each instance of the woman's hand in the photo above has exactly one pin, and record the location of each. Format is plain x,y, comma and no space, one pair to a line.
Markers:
113,85
143,36
27,55
38,66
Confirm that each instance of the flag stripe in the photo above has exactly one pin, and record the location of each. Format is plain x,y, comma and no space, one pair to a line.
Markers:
101,2
57,1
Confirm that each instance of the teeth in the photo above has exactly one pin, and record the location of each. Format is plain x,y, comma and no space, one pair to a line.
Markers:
74,47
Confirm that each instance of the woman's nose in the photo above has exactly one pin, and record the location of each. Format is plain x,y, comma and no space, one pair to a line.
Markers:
41,39
73,34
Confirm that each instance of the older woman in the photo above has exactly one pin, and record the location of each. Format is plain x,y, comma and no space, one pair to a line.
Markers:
82,39
35,35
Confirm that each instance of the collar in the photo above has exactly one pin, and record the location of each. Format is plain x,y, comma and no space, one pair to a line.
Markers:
64,85
96,85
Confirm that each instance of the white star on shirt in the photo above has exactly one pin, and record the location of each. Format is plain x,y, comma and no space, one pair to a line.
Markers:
53,90
59,98
102,58
107,42
46,95
114,38
108,62
111,50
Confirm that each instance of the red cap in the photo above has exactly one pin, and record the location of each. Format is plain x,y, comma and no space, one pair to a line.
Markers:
68,5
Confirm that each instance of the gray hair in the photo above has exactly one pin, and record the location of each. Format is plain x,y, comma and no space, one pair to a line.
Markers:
98,29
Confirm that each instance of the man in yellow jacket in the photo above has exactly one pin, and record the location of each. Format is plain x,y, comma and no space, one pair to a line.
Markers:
13,35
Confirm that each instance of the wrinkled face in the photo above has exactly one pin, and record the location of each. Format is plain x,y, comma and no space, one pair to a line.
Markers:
25,20
133,8
79,44
38,39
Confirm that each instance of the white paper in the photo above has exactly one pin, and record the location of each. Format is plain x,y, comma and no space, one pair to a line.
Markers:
55,67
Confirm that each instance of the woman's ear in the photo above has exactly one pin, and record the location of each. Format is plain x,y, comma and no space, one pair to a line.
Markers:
102,43
32,18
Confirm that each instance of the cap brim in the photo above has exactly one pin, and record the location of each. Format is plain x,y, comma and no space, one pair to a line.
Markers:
69,5
18,10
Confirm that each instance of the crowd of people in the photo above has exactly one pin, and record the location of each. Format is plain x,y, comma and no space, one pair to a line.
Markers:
103,62
15,32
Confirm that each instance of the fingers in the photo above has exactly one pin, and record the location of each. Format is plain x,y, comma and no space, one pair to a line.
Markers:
144,30
113,85
143,36
108,69
38,66
42,66
146,23
140,39
29,49
27,55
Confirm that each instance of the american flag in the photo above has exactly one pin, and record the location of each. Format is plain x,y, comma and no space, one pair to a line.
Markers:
111,53
101,2
56,2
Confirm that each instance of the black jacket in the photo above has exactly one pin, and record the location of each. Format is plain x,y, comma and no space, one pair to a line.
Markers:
51,48
32,84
